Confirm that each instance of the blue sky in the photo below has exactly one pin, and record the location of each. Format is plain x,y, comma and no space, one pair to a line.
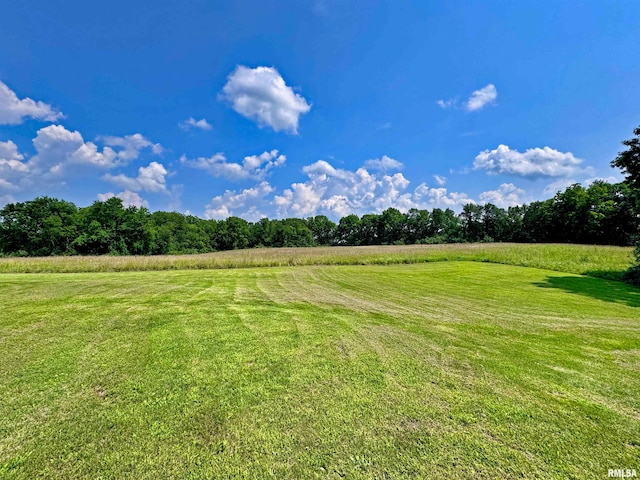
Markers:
296,108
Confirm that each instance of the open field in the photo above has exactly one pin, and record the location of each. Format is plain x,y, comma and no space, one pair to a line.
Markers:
599,261
429,370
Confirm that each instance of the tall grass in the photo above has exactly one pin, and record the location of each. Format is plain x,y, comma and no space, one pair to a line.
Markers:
599,261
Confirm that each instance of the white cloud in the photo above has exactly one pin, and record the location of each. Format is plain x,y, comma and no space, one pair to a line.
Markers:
481,98
262,95
14,111
426,197
128,198
58,147
12,167
444,104
191,122
131,146
533,163
507,195
477,101
149,179
254,166
338,192
383,164
440,180
244,204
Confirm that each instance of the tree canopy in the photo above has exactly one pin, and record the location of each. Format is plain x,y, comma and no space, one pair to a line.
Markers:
602,213
629,162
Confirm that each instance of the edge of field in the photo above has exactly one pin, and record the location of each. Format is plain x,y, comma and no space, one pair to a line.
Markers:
598,261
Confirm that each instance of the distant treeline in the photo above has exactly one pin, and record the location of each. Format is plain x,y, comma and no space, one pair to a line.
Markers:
603,213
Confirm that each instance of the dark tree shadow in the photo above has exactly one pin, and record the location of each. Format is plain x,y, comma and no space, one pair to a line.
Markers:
606,290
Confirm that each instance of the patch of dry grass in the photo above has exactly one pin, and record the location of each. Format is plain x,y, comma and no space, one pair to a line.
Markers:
601,261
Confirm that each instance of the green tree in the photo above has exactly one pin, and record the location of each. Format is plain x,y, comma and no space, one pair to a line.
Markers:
370,229
40,227
629,162
495,223
471,218
392,225
323,229
348,230
417,225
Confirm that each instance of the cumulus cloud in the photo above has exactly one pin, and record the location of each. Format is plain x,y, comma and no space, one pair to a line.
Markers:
254,166
338,192
481,98
130,146
129,199
150,179
533,163
262,95
58,147
426,197
59,150
12,168
507,195
440,180
14,111
191,122
244,204
383,164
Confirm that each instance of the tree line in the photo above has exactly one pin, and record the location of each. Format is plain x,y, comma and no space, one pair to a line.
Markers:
603,213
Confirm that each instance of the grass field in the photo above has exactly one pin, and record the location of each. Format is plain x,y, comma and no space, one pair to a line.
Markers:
599,261
454,369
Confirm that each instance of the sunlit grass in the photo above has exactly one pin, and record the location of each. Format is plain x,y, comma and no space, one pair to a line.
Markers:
433,370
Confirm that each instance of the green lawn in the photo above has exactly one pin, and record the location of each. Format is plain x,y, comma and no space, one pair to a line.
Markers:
427,370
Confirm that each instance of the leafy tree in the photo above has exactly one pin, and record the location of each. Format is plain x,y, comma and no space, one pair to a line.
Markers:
108,228
235,235
536,222
40,227
571,215
515,224
322,229
444,227
629,162
417,225
471,219
292,232
348,229
495,223
392,224
370,229
262,233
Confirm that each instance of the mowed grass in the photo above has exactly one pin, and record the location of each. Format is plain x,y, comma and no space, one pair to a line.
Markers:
430,370
599,261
